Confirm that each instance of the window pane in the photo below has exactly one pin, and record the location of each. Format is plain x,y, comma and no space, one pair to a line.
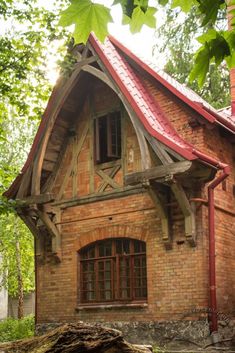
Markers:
123,246
139,247
105,248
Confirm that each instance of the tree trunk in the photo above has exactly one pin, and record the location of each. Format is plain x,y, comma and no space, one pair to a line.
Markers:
20,313
76,338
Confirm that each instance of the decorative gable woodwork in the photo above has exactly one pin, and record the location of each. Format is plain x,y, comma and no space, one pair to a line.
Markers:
75,162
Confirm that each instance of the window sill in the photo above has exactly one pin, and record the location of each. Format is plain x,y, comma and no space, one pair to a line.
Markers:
111,306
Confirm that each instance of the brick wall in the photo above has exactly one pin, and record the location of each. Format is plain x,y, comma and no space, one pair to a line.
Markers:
177,278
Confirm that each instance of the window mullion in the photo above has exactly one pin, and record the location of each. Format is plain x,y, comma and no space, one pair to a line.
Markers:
97,295
117,276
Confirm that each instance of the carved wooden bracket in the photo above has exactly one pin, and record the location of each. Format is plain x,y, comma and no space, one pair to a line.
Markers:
160,203
53,231
188,212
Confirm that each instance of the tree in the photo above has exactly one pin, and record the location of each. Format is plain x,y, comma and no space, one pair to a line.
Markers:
176,40
24,90
216,44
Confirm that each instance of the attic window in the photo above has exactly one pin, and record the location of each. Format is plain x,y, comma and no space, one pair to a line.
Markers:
108,137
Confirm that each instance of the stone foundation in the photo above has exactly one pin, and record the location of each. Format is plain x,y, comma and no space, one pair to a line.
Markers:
168,333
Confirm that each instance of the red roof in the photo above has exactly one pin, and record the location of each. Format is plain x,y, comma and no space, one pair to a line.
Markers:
184,93
141,101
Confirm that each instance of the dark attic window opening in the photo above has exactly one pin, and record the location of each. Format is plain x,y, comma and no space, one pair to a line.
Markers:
108,137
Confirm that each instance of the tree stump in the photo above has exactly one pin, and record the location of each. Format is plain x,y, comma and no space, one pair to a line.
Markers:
75,338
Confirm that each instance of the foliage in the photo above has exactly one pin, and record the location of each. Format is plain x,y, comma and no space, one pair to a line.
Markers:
176,40
12,230
26,38
216,44
12,329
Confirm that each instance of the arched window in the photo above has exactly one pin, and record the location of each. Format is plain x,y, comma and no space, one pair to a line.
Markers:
113,270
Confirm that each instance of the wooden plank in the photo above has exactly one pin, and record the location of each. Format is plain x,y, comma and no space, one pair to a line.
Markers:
188,212
108,178
51,155
50,181
38,199
108,165
74,159
107,195
157,172
48,165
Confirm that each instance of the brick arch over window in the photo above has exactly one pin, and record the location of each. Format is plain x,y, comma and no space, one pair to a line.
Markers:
115,231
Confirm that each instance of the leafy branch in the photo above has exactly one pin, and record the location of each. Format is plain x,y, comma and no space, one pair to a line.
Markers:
216,45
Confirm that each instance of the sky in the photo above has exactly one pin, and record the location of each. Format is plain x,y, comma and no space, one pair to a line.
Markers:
141,43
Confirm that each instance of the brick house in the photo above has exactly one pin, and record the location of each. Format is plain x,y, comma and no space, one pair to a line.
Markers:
129,190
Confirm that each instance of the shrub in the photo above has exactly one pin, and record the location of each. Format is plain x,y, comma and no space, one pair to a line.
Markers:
13,329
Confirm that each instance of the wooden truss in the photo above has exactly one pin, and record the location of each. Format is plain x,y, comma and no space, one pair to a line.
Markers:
169,167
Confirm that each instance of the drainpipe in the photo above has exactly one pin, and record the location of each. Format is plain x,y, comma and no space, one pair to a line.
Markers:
211,220
212,269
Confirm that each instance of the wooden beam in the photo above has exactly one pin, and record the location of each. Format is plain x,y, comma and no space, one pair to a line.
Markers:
157,172
108,178
53,231
107,195
25,183
37,199
99,74
162,210
188,212
159,149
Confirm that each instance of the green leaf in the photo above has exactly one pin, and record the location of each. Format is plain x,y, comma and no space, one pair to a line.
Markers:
163,2
185,5
210,9
139,18
69,16
201,65
142,3
210,34
87,17
127,6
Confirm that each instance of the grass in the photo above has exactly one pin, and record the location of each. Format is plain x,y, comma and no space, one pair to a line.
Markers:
13,329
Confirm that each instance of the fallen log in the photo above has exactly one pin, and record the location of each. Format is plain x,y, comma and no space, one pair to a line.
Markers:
75,338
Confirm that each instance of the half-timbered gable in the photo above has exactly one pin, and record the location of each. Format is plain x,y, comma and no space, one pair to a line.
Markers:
117,187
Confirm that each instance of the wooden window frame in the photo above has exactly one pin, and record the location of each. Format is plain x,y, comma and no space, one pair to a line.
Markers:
116,290
113,132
